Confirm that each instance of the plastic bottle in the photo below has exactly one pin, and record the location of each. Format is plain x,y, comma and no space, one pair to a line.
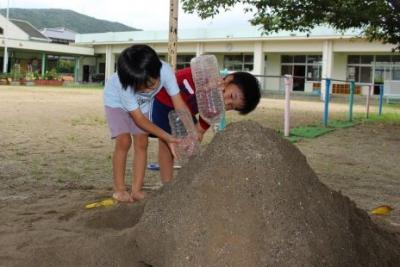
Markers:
183,128
206,77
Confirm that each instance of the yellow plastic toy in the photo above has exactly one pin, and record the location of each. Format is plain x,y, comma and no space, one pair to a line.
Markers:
382,210
108,202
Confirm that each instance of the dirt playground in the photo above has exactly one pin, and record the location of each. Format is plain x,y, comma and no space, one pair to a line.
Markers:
55,157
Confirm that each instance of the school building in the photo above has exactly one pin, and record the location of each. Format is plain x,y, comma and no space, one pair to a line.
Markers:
323,53
309,57
30,50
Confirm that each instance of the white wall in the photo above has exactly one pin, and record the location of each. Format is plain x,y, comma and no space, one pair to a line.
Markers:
339,70
273,67
293,46
12,31
360,46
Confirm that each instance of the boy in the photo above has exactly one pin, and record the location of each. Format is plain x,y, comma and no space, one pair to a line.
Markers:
241,92
128,97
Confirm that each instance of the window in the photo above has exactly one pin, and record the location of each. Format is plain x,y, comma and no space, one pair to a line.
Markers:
299,59
239,62
308,66
396,60
396,68
314,72
365,74
377,69
353,60
382,60
1,30
359,68
314,59
102,67
352,73
287,69
183,61
367,59
360,59
248,63
162,57
396,73
287,59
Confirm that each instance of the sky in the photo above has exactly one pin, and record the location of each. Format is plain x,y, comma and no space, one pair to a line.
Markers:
143,14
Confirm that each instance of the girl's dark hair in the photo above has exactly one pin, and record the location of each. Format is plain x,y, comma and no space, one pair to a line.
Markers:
137,65
250,88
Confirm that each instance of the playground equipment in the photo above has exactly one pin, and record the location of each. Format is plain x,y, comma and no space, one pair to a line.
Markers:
209,96
351,99
288,89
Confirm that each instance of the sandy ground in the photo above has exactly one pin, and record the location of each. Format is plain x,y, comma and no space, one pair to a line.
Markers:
56,156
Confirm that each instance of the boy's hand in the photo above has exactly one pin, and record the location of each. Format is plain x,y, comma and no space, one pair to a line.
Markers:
221,84
200,132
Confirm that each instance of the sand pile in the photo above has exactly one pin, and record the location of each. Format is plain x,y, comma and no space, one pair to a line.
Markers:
250,199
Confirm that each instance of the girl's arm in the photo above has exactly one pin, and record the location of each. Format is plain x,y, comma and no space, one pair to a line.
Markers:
178,103
148,126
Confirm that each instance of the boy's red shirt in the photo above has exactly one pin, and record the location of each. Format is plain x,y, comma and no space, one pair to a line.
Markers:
188,93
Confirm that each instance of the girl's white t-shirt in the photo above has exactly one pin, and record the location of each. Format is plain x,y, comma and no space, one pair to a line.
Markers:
115,96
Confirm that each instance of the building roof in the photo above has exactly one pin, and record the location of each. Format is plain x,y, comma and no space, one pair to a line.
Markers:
59,33
209,35
29,29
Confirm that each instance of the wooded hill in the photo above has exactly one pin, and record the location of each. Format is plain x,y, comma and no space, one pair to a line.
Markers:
51,18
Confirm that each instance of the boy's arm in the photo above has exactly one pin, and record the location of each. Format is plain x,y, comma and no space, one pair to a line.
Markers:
148,126
202,126
200,131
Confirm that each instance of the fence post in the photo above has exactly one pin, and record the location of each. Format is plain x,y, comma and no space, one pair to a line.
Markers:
368,99
222,123
380,99
326,105
288,88
351,99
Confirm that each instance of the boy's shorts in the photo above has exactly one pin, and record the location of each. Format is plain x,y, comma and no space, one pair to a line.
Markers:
120,121
159,116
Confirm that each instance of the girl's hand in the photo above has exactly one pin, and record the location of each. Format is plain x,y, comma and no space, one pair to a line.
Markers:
172,142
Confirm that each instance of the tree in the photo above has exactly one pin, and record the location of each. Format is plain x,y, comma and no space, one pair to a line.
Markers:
377,19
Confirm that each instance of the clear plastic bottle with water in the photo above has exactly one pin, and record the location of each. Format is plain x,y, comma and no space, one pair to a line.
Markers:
207,79
183,128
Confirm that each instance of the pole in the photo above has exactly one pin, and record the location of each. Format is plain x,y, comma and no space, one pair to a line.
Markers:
222,123
5,58
173,32
326,105
43,65
351,99
368,99
380,99
288,89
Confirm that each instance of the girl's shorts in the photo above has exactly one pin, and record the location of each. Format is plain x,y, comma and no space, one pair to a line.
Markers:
120,122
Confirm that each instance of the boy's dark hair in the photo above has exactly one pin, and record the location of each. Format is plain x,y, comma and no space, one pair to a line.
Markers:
137,65
250,88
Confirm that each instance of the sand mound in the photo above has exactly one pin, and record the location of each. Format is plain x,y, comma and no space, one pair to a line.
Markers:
250,199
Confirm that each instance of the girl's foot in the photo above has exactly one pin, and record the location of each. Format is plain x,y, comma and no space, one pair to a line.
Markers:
138,195
122,196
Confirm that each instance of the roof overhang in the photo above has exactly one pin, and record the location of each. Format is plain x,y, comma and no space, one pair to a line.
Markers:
48,47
